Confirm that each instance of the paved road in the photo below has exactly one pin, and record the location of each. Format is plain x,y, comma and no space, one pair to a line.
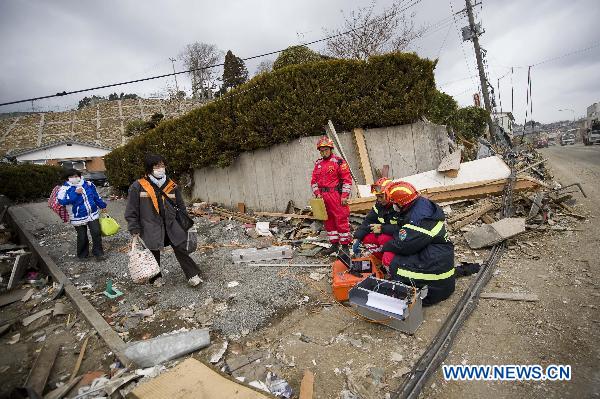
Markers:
563,269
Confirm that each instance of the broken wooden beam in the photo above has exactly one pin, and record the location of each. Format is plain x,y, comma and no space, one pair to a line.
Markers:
307,385
363,155
457,192
510,296
478,212
38,375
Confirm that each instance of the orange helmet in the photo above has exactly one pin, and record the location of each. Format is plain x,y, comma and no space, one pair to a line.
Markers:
324,142
379,186
401,193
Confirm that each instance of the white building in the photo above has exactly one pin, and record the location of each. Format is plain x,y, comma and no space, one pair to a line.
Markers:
70,153
593,113
505,120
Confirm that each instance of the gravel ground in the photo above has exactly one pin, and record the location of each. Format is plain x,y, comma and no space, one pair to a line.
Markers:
262,293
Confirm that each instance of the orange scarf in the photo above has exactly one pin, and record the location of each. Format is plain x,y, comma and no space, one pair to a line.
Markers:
152,194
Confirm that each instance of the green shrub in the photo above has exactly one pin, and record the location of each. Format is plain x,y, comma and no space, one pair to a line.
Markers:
25,182
296,55
468,122
276,107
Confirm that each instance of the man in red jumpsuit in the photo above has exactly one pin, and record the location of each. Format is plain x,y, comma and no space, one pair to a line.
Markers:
331,180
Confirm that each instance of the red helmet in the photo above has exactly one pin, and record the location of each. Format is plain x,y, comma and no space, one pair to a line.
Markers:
379,186
324,142
401,193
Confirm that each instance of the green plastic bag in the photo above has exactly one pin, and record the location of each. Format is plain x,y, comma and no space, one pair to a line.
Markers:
108,225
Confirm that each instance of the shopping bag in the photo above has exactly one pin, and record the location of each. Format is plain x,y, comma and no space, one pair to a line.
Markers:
108,225
142,264
191,244
59,209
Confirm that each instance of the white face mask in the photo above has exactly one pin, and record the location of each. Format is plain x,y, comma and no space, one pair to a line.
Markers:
74,180
159,173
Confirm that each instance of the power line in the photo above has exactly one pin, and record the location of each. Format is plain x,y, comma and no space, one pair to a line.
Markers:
65,93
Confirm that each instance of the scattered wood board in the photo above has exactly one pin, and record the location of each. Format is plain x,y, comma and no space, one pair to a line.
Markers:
30,319
40,371
462,192
332,134
487,219
285,215
479,212
19,268
241,207
363,155
307,385
510,296
13,296
192,379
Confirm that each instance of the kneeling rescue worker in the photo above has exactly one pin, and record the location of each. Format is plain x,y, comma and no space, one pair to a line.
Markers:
379,225
331,180
421,252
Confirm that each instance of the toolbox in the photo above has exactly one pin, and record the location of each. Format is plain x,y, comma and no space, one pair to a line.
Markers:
343,280
391,303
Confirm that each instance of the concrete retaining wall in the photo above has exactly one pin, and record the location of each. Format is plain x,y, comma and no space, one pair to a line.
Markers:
265,180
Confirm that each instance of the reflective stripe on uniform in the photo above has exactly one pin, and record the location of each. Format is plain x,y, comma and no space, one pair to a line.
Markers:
393,221
432,233
375,209
381,220
425,276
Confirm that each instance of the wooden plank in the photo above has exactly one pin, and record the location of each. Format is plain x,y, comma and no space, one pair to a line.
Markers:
334,136
385,171
307,385
480,211
19,268
241,207
363,155
12,296
38,375
488,189
285,215
510,296
192,379
112,339
487,219
79,359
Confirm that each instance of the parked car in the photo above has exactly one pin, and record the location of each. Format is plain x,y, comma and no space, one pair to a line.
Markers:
98,178
541,143
567,138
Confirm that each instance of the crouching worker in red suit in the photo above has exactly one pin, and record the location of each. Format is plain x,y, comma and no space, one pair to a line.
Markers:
379,225
331,180
421,253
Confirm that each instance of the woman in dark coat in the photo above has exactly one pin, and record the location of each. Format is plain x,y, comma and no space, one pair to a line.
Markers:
151,216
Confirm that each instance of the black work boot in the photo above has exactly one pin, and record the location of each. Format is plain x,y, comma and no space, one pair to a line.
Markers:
331,250
344,255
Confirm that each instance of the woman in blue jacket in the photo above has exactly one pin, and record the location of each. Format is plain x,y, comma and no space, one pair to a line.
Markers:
86,205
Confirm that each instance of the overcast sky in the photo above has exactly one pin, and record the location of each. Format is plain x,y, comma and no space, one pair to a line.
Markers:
54,46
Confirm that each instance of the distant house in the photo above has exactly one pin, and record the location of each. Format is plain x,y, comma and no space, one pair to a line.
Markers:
506,121
68,153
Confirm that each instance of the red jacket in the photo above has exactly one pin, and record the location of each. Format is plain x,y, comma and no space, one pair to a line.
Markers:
332,173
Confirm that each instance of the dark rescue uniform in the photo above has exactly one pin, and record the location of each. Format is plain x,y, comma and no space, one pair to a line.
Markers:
424,255
385,215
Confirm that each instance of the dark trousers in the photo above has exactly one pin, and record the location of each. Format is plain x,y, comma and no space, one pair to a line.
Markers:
83,244
189,267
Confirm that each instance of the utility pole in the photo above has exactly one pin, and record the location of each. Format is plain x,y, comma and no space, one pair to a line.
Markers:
482,79
174,75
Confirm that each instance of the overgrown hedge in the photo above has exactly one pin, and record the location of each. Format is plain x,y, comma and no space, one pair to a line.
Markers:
468,122
25,182
276,107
